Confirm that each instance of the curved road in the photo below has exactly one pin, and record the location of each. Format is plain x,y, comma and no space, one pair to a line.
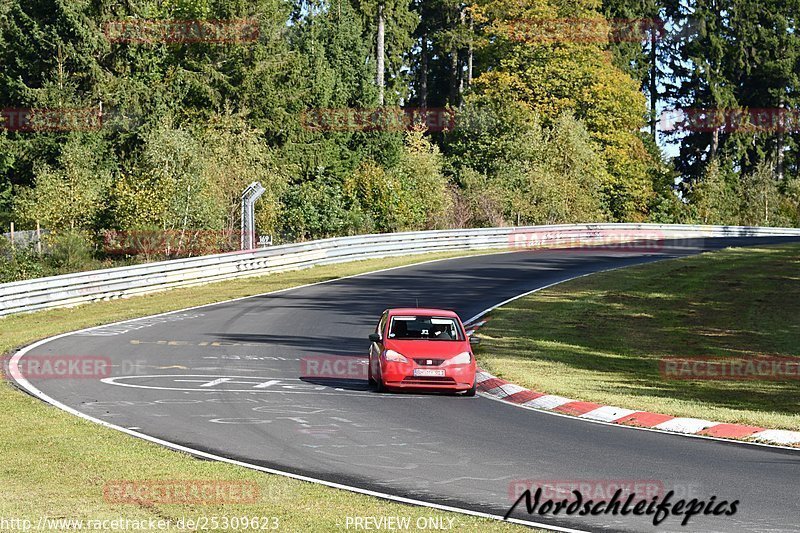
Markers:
225,379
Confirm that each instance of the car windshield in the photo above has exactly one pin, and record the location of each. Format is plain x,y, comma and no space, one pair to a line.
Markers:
424,327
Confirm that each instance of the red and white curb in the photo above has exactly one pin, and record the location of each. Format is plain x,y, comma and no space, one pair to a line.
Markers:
505,391
501,389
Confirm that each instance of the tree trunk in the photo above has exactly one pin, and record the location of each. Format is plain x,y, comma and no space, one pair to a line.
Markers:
455,74
714,144
470,52
423,75
653,83
460,73
454,78
781,125
380,53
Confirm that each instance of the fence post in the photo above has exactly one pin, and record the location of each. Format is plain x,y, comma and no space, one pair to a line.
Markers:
38,238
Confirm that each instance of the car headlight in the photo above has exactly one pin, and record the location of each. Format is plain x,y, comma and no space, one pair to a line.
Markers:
464,358
391,355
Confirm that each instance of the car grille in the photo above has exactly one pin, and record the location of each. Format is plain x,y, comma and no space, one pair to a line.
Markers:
433,362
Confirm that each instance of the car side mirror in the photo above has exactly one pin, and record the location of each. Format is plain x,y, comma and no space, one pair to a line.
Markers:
375,337
474,340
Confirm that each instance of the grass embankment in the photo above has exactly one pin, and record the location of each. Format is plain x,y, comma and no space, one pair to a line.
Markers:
600,338
56,465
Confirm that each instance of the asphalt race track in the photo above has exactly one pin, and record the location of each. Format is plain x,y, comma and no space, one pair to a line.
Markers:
225,379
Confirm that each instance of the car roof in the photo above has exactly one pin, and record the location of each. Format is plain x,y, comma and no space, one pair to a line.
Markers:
422,311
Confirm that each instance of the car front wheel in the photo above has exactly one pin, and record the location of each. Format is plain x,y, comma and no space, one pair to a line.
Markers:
471,391
377,383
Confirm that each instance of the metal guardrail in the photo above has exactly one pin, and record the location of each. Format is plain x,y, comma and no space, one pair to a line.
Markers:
73,289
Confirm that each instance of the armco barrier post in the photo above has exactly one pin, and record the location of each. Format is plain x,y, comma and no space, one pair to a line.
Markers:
252,193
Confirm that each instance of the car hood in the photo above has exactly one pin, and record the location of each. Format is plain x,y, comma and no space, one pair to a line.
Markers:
430,349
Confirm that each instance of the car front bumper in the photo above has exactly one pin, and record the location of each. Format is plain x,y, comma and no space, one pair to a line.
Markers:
401,376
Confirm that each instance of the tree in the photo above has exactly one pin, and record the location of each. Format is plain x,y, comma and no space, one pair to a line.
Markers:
791,200
6,163
760,198
167,190
715,198
541,174
492,131
737,56
559,70
315,209
377,194
414,195
640,46
423,183
233,155
389,25
71,194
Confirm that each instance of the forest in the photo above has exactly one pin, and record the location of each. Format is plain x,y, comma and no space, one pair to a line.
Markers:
129,128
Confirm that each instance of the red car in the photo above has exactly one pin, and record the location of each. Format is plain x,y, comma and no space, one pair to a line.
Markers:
422,349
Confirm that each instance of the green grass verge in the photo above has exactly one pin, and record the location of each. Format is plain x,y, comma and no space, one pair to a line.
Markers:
56,465
600,338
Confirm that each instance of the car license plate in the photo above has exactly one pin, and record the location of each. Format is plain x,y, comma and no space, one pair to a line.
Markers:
428,372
